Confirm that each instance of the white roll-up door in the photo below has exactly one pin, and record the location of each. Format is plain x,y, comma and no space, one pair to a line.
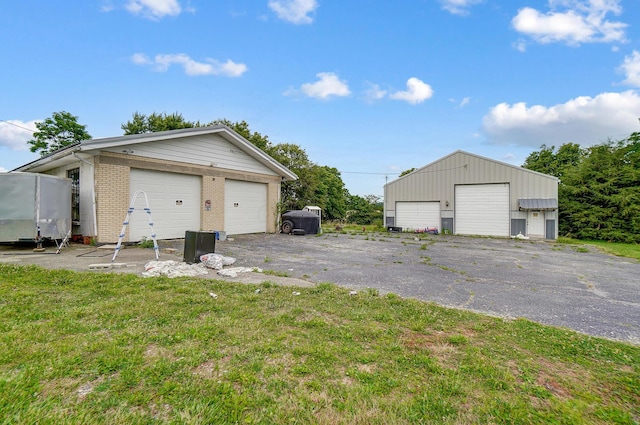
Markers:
417,215
174,201
482,209
245,207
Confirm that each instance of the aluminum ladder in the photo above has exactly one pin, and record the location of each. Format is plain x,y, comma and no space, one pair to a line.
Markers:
126,223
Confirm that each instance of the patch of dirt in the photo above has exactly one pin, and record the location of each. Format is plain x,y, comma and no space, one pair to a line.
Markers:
212,368
154,351
553,386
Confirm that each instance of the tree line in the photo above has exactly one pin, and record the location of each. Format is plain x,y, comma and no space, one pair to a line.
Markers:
599,189
317,185
598,193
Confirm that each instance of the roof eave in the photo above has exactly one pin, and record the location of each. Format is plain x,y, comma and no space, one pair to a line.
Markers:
44,163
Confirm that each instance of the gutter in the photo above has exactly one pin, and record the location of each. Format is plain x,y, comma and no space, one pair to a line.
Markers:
61,153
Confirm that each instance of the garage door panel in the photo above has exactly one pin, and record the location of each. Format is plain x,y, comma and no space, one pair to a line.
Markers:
174,202
482,209
245,207
417,215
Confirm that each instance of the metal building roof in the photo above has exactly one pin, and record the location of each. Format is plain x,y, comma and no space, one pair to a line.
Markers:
538,204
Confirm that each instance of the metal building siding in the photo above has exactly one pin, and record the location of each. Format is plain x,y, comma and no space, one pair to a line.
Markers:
436,181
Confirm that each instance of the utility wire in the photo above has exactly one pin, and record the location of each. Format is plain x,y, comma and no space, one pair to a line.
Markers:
417,171
363,172
19,126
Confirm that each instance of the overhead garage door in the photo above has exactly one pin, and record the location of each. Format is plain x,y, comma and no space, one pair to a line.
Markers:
245,207
482,209
174,201
417,215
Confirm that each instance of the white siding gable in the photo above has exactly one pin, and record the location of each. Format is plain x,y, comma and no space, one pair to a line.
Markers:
208,150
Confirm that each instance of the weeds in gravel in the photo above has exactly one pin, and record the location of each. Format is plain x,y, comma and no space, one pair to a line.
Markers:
276,273
82,348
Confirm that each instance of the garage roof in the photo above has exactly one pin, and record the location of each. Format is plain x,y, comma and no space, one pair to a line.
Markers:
67,154
538,204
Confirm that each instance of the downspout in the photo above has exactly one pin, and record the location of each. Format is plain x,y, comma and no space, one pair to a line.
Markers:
93,193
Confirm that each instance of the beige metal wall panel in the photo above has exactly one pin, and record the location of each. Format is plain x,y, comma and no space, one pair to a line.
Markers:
437,182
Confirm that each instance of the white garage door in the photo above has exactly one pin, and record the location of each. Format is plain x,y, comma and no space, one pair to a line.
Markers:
418,215
245,207
482,209
174,201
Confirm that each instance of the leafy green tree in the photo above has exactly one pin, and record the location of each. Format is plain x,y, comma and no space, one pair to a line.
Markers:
329,192
242,128
555,163
60,130
362,210
602,195
141,123
599,191
405,172
298,193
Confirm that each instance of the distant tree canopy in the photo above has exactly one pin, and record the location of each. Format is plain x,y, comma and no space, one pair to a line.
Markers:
60,130
405,172
599,191
316,185
141,123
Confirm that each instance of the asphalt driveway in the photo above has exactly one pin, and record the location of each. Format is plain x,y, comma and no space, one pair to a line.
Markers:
555,284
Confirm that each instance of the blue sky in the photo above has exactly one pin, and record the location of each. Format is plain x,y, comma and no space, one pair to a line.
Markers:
371,88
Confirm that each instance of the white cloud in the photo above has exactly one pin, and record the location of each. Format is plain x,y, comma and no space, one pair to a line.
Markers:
572,21
154,9
294,11
585,120
631,68
192,68
328,85
461,103
458,7
417,92
374,92
520,45
141,59
107,6
14,134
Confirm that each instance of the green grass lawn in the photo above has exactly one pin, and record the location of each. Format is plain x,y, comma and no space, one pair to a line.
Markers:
620,249
83,348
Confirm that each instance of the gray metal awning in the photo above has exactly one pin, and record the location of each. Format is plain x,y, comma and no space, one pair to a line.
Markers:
538,204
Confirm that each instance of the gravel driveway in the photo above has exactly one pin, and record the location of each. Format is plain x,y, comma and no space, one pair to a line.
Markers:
555,284
591,292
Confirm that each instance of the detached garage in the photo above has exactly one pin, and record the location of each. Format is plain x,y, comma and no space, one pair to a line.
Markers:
467,194
205,178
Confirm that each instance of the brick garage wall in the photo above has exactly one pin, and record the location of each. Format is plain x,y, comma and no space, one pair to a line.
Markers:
213,190
112,199
273,214
113,192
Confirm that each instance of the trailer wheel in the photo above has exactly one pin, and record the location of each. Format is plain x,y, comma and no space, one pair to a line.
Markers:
287,226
